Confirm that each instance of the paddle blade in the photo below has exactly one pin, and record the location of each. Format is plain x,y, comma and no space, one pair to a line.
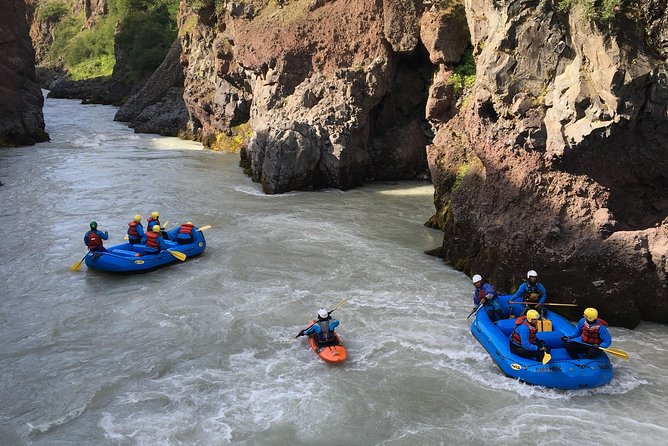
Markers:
204,228
76,266
547,358
126,238
617,352
179,255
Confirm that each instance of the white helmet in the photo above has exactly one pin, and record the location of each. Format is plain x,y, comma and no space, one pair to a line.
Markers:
477,278
323,314
532,273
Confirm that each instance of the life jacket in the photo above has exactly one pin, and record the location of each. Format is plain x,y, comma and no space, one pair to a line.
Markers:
186,229
152,240
532,289
590,333
522,320
132,230
93,240
325,334
150,222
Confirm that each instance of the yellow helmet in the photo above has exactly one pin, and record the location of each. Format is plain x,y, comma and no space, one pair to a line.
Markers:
590,314
156,228
532,315
155,214
137,218
189,222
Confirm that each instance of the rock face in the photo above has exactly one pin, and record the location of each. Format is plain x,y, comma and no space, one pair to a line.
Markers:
558,162
329,105
21,118
159,106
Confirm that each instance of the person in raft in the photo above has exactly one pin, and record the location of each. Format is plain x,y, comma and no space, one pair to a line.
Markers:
153,220
185,234
531,291
485,294
523,341
136,231
93,238
322,328
591,330
154,241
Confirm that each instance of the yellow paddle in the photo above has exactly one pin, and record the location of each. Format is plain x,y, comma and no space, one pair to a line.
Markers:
77,265
617,352
204,228
613,351
546,358
179,255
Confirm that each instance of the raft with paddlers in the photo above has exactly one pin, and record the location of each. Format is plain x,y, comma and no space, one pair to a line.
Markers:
128,258
560,371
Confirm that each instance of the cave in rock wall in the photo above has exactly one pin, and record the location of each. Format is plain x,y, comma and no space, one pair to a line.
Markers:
399,131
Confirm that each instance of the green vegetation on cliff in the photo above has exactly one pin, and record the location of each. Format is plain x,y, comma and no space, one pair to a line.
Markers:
601,11
141,30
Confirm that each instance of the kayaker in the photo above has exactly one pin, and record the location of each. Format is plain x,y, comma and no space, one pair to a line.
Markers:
531,291
523,340
322,328
93,238
591,330
153,220
136,231
486,294
154,241
185,234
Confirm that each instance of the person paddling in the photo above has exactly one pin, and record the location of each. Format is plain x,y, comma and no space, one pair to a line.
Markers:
154,241
486,295
591,330
531,291
185,234
322,328
93,238
523,340
153,220
136,231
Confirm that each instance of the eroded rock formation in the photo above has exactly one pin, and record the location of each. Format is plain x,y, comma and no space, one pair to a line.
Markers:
21,118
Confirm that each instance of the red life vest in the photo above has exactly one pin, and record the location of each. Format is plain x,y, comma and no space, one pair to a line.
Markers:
152,240
93,239
132,230
186,229
590,333
522,320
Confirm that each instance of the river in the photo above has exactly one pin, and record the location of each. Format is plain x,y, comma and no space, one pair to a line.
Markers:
204,353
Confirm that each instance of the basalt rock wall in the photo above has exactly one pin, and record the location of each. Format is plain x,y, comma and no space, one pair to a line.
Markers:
558,161
21,118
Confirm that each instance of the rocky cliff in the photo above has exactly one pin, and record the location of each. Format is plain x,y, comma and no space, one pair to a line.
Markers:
558,161
21,118
554,160
334,91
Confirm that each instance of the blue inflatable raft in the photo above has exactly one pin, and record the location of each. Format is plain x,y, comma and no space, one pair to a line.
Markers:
127,258
561,372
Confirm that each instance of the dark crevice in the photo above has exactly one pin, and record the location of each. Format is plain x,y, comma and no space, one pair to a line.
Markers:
399,132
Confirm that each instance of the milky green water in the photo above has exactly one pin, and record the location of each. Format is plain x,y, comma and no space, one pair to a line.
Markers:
203,353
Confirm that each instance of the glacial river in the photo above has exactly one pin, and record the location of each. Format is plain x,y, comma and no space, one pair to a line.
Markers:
203,353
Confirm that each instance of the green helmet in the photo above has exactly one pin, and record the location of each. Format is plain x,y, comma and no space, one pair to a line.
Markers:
93,224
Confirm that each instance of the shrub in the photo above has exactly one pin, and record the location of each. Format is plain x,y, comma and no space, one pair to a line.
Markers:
601,11
52,11
464,73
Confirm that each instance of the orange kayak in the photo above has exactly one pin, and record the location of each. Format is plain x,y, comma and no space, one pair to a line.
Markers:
333,353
